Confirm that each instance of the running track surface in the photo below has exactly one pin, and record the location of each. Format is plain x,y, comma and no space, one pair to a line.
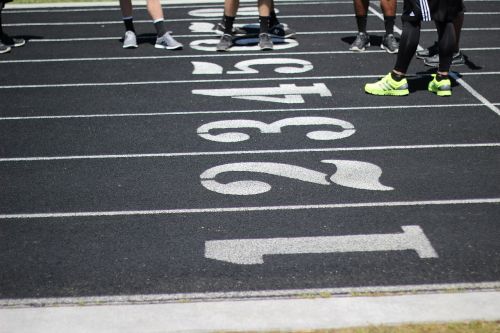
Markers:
119,181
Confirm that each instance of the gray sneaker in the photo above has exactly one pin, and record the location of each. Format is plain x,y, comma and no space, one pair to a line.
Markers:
361,42
226,41
265,42
428,52
129,40
457,60
167,42
4,48
390,44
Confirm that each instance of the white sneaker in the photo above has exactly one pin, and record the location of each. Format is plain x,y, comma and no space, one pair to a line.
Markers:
130,40
167,42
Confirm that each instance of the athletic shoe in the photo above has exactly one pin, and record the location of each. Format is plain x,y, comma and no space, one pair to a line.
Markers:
387,86
440,88
167,42
457,60
226,41
4,48
265,42
281,31
12,42
236,31
362,41
428,52
129,40
390,44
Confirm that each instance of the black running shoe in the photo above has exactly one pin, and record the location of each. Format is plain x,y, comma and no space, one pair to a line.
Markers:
12,42
281,31
236,31
4,48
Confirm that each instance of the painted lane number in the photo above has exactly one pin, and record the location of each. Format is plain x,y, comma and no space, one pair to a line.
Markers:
204,130
353,174
252,251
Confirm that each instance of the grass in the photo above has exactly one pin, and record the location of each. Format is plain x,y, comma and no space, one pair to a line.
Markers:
469,327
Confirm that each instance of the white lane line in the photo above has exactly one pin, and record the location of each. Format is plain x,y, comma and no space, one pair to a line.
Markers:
256,315
159,114
464,84
207,35
284,17
243,295
215,55
138,4
193,19
95,84
475,93
250,209
246,152
274,79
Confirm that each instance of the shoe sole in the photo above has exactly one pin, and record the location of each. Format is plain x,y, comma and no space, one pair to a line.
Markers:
388,93
383,47
130,46
356,49
168,47
445,93
7,50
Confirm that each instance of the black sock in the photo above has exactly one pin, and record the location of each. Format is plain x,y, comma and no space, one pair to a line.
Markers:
440,76
264,23
396,76
228,22
160,27
361,22
129,23
274,20
389,24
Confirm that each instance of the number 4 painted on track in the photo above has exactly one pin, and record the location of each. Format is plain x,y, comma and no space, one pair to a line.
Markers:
291,93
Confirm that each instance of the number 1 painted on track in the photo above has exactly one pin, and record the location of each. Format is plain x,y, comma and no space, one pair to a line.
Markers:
252,251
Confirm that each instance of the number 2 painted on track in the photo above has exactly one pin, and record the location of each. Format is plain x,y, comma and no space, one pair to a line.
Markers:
353,174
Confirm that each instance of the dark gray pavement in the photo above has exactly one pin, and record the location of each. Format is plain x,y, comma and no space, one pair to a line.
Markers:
105,184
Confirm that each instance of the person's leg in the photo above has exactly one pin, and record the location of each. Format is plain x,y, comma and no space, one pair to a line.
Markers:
407,46
164,40
3,48
457,25
389,10
7,42
362,38
226,25
130,39
265,41
395,83
441,84
389,42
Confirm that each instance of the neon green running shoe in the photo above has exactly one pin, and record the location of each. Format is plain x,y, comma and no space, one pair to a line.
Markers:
387,86
440,88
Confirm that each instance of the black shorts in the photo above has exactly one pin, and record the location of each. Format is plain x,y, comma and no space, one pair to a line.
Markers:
440,10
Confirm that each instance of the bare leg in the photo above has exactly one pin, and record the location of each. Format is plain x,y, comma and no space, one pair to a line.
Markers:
155,10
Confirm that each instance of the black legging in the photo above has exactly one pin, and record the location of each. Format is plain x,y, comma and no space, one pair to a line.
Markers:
409,43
